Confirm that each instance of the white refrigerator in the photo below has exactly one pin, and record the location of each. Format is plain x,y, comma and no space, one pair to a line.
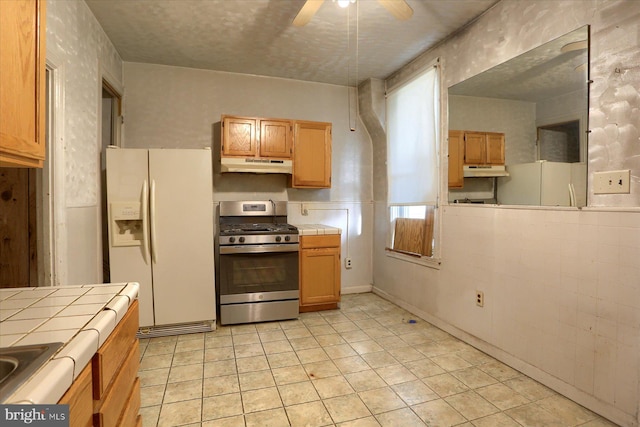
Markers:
543,183
160,213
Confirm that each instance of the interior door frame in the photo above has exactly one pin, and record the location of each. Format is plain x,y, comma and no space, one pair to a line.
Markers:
53,271
109,83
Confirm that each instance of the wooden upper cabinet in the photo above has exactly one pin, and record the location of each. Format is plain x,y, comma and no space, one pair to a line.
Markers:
311,155
474,148
495,148
22,83
256,137
238,136
483,148
275,138
456,158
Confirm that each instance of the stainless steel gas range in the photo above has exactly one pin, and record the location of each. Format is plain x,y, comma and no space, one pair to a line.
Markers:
258,262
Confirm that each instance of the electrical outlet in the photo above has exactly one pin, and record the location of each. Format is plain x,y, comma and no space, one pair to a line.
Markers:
347,263
304,209
611,182
480,298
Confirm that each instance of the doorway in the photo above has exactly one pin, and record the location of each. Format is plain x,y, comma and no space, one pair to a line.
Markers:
559,142
111,107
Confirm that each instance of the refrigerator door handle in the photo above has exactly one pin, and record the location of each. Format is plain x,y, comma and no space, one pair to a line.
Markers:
572,195
152,218
145,219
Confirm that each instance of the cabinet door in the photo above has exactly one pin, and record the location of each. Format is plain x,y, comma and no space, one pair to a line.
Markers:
319,276
238,137
495,148
79,397
275,138
312,155
456,158
474,148
22,83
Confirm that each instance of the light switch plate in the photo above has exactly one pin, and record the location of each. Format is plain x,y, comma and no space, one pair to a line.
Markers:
611,182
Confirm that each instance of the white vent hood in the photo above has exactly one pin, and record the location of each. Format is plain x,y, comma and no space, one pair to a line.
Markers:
255,165
484,171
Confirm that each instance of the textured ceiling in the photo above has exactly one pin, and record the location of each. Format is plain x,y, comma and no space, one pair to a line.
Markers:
542,73
256,36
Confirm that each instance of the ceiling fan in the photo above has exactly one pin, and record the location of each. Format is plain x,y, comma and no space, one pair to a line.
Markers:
398,8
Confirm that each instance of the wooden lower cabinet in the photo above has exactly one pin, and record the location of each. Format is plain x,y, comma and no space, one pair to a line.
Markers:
107,392
79,397
319,272
115,372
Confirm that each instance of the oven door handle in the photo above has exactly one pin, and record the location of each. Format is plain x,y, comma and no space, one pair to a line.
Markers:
259,249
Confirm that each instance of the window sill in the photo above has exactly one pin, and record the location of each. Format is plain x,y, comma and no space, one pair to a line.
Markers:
430,262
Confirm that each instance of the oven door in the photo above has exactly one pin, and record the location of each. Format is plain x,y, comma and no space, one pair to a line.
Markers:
258,273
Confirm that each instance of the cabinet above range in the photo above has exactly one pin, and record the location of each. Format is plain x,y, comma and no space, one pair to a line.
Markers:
299,148
256,145
475,154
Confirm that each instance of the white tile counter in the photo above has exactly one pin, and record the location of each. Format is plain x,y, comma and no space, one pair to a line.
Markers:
316,229
81,317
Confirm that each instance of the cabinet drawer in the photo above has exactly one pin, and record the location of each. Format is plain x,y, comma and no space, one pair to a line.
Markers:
108,359
325,241
130,412
109,410
79,397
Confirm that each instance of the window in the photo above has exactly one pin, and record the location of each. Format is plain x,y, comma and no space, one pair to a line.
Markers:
412,163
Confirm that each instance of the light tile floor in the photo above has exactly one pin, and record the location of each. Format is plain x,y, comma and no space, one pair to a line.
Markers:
362,365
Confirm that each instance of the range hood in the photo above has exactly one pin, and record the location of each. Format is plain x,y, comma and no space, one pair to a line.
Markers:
255,165
487,171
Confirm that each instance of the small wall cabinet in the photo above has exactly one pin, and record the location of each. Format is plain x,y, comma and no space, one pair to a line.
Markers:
456,158
22,83
306,143
312,155
256,137
473,148
483,148
319,272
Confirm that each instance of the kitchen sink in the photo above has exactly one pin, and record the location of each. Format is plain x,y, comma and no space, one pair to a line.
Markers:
17,364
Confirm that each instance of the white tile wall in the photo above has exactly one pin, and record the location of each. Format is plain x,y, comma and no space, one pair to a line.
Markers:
559,293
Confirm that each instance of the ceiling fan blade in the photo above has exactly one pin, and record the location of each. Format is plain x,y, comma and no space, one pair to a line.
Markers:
398,8
306,13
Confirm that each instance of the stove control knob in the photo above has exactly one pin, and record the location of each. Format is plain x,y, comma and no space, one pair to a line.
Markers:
241,239
287,238
278,238
232,239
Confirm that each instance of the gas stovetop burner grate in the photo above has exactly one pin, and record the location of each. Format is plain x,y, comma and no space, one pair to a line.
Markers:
259,228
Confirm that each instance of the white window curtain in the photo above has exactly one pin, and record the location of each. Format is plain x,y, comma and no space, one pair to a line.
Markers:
412,141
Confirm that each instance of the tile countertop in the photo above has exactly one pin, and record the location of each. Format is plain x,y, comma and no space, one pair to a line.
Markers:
81,317
315,229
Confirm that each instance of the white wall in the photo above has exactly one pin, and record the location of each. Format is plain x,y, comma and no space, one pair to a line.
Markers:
516,119
81,55
175,107
561,287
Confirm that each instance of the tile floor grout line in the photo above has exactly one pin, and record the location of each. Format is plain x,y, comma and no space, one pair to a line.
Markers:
391,322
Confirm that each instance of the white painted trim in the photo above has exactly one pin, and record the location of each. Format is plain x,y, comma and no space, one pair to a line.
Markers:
357,289
106,75
56,151
585,399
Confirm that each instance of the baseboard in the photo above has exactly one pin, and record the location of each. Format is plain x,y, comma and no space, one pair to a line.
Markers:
588,401
180,329
356,289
